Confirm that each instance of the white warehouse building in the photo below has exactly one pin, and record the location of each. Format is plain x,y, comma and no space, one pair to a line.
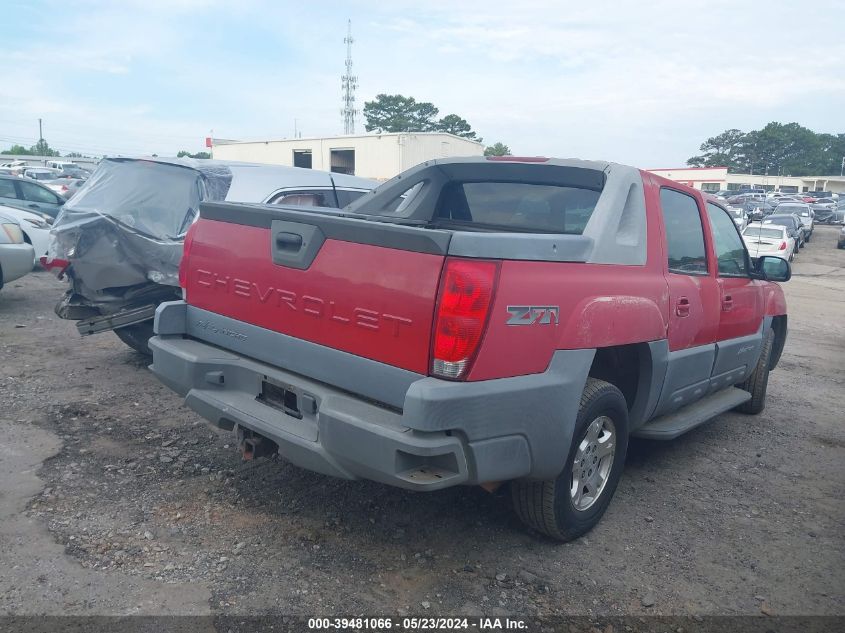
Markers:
378,156
714,179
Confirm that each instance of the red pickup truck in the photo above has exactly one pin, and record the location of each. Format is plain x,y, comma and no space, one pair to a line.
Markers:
475,321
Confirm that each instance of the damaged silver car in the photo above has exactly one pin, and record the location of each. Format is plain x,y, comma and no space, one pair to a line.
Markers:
119,240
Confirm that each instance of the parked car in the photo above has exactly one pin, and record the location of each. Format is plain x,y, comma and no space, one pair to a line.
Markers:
740,217
482,357
69,170
779,201
35,227
824,210
757,209
794,226
29,195
824,203
65,187
817,195
838,216
746,197
769,239
15,254
841,242
804,214
41,173
119,239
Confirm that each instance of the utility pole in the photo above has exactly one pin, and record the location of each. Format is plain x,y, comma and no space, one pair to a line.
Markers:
349,82
40,144
842,168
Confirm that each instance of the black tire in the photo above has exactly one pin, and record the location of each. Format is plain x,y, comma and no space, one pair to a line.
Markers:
137,336
547,506
758,381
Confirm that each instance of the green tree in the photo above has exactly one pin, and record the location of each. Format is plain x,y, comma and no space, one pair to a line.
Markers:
718,151
397,113
453,124
42,148
189,155
785,148
17,150
497,149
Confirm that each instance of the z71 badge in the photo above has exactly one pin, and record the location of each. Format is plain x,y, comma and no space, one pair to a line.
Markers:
531,315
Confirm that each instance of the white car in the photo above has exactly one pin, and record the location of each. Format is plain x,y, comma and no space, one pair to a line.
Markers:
768,239
35,228
777,194
41,173
15,254
740,217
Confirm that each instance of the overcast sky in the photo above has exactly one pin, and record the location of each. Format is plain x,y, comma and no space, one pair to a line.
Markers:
640,82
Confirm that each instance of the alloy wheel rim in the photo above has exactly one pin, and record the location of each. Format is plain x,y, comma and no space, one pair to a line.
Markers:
593,463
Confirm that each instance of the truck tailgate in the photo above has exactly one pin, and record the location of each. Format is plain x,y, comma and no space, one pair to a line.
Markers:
349,284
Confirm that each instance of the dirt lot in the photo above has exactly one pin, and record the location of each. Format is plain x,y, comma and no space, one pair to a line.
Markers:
116,499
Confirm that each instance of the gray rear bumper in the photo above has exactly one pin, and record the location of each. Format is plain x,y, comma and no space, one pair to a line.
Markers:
446,433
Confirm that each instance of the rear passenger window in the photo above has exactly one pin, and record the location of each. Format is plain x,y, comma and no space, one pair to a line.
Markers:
517,206
684,235
306,198
38,193
730,251
347,196
7,189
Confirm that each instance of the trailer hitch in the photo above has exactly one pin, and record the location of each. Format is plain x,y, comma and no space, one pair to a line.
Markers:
253,445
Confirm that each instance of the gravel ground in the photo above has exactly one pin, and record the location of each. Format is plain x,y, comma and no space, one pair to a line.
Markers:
116,499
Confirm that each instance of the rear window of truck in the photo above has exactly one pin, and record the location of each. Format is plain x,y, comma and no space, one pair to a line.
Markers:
516,206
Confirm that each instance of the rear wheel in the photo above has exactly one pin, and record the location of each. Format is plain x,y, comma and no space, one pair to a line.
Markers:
758,381
137,336
570,505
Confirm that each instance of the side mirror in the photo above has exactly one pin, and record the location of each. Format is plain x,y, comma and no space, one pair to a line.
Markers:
773,268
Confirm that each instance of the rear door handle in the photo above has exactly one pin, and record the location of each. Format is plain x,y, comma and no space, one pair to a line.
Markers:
682,307
727,303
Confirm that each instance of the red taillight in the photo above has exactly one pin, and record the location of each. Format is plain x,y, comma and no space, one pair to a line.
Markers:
186,253
463,305
54,265
64,187
782,246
